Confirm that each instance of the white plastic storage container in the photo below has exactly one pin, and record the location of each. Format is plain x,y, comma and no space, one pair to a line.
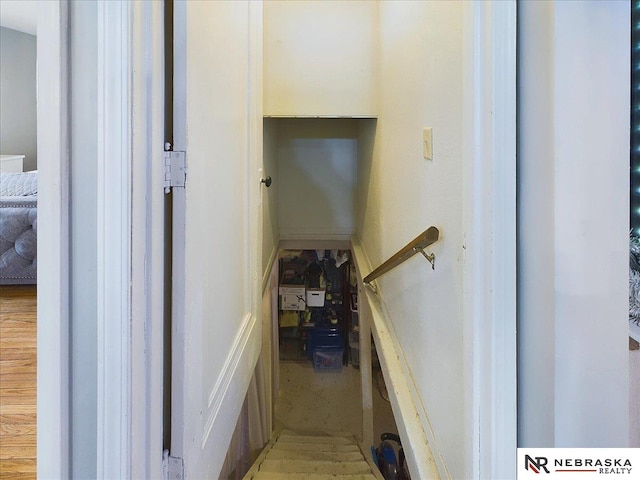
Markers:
315,297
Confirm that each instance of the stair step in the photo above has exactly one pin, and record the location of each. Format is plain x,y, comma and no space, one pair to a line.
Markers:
316,434
315,447
311,476
314,455
315,439
307,466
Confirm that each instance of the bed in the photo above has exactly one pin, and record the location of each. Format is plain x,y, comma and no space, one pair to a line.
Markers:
18,228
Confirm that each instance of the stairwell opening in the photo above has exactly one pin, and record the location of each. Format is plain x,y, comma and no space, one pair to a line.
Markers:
318,345
320,172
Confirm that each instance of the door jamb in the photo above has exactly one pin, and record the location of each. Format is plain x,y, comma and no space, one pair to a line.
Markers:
489,210
113,243
130,255
146,106
53,358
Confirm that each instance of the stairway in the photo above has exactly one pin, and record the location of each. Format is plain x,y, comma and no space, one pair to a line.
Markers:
290,456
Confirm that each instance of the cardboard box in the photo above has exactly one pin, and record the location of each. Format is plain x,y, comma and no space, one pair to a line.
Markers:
292,302
291,286
289,319
292,290
315,297
292,273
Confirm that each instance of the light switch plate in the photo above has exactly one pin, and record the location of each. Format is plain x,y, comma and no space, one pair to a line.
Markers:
427,143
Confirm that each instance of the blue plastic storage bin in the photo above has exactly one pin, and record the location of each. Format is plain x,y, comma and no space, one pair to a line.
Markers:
328,359
323,340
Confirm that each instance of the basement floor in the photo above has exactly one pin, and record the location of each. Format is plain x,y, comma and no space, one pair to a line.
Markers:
311,401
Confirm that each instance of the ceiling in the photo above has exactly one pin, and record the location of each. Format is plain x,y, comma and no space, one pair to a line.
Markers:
19,15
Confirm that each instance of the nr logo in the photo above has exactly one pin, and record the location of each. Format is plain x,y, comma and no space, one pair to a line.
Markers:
536,464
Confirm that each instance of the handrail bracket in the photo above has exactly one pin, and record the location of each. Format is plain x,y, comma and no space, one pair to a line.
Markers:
431,257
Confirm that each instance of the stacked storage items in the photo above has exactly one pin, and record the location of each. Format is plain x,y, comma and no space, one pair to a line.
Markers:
292,292
325,342
312,302
326,339
292,284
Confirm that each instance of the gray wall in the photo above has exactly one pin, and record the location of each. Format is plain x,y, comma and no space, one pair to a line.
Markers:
317,164
84,207
18,95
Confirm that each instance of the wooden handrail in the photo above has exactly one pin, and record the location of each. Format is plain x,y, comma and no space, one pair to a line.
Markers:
418,244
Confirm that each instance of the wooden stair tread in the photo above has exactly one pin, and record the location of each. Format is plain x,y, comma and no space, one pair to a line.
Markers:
311,476
315,447
312,456
307,466
316,434
315,439
276,454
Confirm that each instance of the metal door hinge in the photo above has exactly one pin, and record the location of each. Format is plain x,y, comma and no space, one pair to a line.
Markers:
173,467
175,169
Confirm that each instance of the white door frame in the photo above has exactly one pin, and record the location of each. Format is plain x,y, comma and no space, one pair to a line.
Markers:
130,239
113,243
147,229
53,242
489,181
130,232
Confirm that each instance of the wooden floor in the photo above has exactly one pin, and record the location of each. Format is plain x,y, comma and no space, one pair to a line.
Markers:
17,382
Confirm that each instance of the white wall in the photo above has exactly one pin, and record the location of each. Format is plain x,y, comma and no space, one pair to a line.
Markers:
18,95
317,163
574,222
319,58
400,194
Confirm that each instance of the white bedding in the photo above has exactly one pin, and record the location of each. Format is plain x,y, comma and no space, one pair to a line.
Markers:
18,184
